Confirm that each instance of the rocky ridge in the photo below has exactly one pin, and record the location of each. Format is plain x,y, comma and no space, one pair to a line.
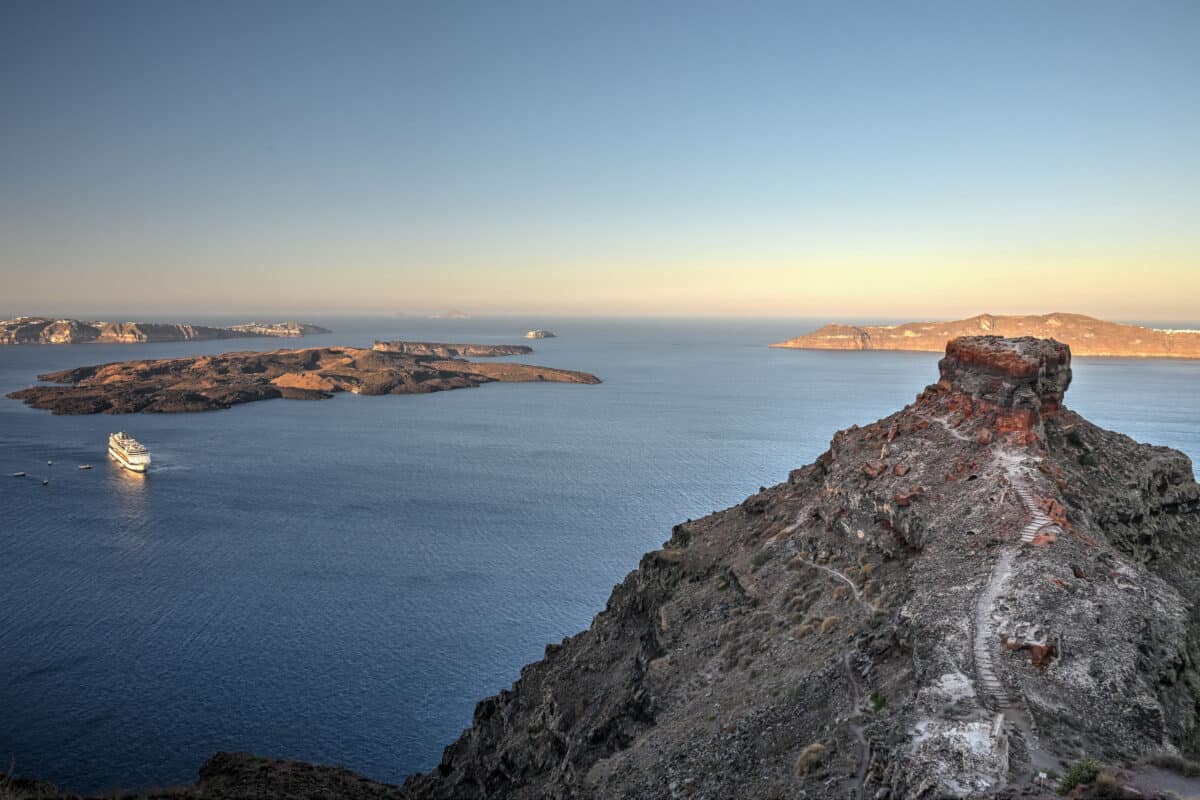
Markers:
1086,336
43,330
205,383
977,590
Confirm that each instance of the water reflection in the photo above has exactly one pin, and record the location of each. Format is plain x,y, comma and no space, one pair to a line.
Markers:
131,493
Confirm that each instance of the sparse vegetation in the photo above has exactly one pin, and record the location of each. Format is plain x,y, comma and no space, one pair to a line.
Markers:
722,583
841,592
811,759
878,701
829,623
761,557
1081,773
1177,764
805,630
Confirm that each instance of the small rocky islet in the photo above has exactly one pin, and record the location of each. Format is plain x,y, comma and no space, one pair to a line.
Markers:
206,383
982,595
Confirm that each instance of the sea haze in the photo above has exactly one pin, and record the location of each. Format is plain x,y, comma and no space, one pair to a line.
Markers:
341,581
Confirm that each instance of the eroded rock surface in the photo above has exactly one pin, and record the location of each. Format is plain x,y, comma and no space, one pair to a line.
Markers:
205,383
1086,336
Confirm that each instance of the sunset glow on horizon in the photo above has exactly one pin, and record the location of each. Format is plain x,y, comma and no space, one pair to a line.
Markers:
930,160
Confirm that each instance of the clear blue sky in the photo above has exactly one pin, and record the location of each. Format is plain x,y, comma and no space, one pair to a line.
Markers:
900,158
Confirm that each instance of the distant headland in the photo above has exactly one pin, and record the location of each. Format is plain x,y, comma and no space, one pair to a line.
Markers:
205,383
1087,336
44,330
442,350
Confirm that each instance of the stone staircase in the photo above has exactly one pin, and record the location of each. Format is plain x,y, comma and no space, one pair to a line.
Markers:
1038,520
988,683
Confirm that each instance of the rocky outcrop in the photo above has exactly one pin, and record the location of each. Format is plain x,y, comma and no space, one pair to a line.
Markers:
42,330
453,350
1086,336
882,624
540,334
206,383
235,776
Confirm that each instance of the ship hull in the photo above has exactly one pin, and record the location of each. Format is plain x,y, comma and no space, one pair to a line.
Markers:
120,458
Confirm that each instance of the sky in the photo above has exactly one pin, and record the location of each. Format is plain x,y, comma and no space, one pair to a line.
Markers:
897,159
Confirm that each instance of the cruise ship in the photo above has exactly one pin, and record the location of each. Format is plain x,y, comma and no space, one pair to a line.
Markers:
128,452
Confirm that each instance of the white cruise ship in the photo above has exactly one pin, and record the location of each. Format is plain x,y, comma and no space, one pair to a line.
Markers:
128,452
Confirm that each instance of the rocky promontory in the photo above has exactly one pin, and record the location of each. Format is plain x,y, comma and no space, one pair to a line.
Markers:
442,350
44,330
982,595
1086,336
205,383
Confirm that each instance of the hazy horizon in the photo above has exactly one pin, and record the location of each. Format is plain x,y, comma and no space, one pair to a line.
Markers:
924,161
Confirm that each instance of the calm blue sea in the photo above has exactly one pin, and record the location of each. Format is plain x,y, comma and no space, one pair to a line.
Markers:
341,581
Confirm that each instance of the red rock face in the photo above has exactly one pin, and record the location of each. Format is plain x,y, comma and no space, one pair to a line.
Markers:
1002,387
1002,371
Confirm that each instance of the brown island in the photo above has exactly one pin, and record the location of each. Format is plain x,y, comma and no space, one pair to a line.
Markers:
1086,336
205,383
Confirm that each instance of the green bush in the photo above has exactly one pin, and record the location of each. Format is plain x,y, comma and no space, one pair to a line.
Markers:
761,557
1080,774
878,701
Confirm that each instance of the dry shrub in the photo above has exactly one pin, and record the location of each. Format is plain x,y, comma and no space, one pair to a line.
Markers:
841,592
804,630
811,759
829,623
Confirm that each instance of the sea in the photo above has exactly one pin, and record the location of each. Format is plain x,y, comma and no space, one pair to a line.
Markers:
340,581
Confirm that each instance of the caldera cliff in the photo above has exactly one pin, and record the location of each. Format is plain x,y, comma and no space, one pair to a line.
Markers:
46,330
1086,336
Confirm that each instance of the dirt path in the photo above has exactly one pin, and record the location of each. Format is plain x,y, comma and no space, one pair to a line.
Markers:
858,596
864,759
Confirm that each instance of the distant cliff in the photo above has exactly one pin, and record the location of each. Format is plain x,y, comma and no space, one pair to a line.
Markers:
289,330
43,330
1086,336
441,350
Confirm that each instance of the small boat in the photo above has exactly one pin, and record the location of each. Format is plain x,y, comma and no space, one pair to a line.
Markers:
18,474
45,481
85,466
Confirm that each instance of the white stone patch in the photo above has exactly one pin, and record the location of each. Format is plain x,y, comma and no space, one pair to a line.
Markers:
964,759
946,691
